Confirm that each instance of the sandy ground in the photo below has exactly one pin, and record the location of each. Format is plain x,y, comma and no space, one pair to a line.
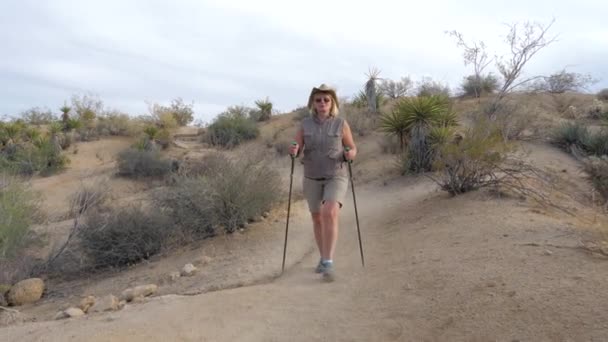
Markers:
471,268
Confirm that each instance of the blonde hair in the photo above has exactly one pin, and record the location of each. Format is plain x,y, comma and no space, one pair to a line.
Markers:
333,111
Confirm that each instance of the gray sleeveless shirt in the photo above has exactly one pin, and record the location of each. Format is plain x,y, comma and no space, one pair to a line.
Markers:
323,149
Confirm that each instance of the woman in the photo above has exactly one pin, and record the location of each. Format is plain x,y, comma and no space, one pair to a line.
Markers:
323,137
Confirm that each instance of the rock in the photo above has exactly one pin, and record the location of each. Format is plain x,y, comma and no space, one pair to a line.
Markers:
547,252
74,312
122,304
491,284
202,261
265,214
26,291
107,303
61,315
188,270
86,303
139,291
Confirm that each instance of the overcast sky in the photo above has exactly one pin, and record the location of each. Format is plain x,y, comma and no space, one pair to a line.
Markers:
221,53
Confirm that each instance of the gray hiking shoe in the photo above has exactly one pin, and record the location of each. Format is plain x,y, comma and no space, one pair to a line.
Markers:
320,267
329,273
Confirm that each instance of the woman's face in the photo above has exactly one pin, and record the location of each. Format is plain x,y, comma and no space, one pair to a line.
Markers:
322,103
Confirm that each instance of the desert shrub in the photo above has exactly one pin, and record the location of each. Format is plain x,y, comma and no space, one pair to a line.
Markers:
597,171
472,86
225,193
602,95
136,163
123,236
428,87
511,118
571,134
38,116
301,113
395,89
474,162
231,128
598,110
360,100
164,138
115,124
361,121
183,113
42,155
596,143
19,208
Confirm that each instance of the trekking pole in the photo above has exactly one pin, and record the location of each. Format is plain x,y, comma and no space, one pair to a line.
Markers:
288,208
352,184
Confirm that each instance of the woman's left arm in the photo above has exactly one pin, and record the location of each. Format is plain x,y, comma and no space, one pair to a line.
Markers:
347,141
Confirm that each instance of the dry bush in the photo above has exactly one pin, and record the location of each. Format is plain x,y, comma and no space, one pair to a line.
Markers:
143,163
598,110
571,134
123,236
597,170
602,95
482,159
513,119
360,120
225,193
116,124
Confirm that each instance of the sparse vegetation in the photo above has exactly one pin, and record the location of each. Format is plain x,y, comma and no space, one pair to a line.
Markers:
477,86
562,82
427,87
38,116
395,89
138,163
571,134
360,120
602,95
597,170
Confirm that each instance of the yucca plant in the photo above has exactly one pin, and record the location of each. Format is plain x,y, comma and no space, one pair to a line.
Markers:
32,134
55,128
151,132
265,107
371,89
12,131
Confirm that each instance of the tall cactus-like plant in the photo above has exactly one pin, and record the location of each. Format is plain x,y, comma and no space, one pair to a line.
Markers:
371,89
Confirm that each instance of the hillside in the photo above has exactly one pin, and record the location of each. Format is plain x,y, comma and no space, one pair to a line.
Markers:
480,266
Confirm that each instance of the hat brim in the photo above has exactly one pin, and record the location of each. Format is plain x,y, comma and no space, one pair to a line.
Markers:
329,91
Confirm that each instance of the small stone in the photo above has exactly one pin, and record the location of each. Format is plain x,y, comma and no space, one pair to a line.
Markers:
86,303
505,235
171,277
74,312
107,303
265,214
138,291
61,315
491,284
188,270
122,304
26,291
547,252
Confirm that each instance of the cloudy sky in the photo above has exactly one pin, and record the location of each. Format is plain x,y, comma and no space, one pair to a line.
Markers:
221,53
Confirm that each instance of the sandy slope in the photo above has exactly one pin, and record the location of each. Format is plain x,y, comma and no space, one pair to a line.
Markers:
473,268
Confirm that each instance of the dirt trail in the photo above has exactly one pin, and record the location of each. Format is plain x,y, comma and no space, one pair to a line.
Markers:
473,268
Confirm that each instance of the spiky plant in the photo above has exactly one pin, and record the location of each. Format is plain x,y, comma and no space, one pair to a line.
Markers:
265,107
32,134
151,132
371,89
55,128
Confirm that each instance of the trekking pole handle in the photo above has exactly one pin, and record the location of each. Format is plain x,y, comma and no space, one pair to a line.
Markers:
293,143
347,149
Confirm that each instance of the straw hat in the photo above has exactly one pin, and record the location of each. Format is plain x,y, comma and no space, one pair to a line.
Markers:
323,88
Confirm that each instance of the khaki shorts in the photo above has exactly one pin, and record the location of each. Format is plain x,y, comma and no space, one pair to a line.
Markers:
317,192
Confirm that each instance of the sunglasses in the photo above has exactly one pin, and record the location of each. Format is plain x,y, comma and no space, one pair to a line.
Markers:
322,99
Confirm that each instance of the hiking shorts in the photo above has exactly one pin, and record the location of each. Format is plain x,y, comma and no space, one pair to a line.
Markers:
317,192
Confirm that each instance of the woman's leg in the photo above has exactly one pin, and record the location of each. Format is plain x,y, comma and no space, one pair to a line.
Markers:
329,219
317,226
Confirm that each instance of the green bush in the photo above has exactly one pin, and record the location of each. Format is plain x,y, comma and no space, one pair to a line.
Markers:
19,208
123,236
42,155
571,134
473,162
428,87
596,143
471,86
142,163
231,128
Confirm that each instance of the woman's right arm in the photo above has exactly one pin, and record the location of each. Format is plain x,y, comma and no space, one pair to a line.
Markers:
299,140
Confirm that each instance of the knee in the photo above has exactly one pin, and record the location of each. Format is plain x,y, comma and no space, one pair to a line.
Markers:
329,210
316,218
